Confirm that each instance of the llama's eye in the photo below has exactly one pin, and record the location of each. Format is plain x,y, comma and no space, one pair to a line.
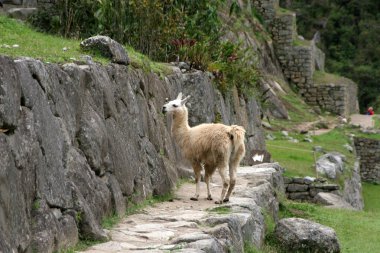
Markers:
175,105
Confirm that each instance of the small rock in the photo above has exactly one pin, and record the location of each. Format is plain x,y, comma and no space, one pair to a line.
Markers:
308,139
332,200
291,139
107,47
266,125
318,149
348,147
331,164
285,133
15,46
270,137
65,49
309,180
184,65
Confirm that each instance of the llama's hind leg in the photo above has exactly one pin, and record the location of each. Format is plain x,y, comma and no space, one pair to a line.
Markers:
234,164
222,172
197,171
207,179
232,183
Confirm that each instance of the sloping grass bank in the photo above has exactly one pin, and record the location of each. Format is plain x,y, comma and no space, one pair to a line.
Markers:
356,231
37,45
298,158
18,39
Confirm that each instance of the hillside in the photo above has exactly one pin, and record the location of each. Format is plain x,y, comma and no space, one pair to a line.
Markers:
349,33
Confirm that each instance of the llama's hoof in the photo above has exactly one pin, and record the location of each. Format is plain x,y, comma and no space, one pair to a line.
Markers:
194,198
218,202
209,198
226,200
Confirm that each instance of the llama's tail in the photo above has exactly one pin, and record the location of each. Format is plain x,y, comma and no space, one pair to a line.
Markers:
237,136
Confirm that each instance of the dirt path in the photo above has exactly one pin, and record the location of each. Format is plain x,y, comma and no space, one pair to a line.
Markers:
364,121
177,225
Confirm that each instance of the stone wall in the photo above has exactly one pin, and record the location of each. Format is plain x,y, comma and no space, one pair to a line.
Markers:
336,98
368,151
300,58
303,189
82,142
31,3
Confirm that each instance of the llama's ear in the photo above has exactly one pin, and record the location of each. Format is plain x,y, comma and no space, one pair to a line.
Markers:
183,101
179,97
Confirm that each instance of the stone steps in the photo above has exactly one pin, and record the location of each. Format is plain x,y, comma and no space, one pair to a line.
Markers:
202,226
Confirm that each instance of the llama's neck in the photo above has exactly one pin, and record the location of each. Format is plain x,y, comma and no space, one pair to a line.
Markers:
180,126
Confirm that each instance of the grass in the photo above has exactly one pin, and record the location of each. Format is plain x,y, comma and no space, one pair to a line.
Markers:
135,208
49,48
301,43
38,45
220,210
376,118
357,231
110,221
141,61
371,197
81,245
298,112
320,77
298,158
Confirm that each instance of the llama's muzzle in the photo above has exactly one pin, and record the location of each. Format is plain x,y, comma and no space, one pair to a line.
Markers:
164,110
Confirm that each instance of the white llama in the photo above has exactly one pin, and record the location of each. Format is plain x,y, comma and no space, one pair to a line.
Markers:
216,146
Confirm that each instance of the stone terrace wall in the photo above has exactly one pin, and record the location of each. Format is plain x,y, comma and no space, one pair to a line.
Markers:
298,188
267,8
368,150
300,58
336,98
81,142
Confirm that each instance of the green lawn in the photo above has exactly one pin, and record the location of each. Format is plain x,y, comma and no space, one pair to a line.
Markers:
49,48
298,158
356,231
376,118
37,45
371,194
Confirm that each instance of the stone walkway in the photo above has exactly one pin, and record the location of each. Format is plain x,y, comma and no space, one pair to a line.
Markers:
364,121
201,226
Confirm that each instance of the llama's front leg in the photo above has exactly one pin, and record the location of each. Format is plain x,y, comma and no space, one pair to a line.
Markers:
222,172
197,172
207,179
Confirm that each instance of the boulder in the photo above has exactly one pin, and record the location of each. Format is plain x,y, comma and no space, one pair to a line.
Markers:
331,200
107,47
300,235
331,164
21,13
352,190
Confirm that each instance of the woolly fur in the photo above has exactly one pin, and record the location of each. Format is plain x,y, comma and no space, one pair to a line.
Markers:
215,146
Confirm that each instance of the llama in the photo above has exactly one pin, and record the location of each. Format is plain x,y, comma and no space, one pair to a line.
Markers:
215,146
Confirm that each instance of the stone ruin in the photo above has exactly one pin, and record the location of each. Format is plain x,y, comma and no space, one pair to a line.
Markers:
300,59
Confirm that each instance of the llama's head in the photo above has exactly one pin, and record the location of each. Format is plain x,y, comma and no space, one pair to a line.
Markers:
176,104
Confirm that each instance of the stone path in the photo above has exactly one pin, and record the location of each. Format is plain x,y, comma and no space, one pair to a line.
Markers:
201,226
364,121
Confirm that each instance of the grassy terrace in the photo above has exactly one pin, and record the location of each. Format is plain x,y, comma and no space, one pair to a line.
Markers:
298,158
37,45
50,49
357,231
320,77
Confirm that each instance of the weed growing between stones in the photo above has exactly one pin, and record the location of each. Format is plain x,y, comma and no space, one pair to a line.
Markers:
220,210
